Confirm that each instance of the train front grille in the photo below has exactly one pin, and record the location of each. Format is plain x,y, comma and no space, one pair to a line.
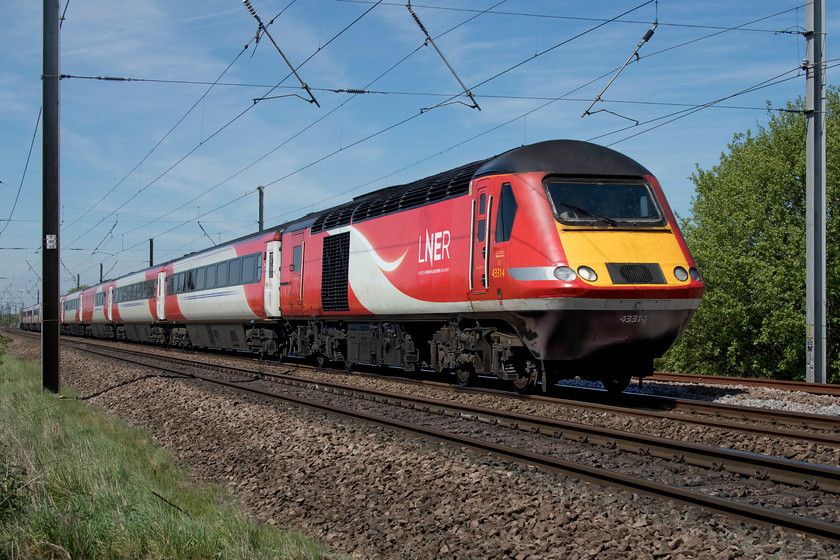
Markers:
636,273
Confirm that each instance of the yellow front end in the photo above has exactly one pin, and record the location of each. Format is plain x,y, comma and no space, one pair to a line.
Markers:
594,248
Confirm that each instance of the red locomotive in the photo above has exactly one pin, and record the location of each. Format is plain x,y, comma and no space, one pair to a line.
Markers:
552,260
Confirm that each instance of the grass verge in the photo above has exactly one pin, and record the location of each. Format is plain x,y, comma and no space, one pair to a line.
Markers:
78,484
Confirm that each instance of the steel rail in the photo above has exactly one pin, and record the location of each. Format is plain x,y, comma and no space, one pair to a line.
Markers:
813,388
736,412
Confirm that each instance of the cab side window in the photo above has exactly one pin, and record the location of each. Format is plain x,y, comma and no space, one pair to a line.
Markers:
506,214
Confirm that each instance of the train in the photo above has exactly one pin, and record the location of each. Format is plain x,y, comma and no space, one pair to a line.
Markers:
30,318
553,260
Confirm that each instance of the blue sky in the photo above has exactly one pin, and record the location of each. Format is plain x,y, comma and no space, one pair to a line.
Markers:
128,173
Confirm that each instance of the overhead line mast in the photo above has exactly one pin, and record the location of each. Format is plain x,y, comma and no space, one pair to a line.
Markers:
815,186
50,257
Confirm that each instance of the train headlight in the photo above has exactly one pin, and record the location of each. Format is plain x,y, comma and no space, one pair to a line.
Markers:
564,273
695,274
680,274
587,273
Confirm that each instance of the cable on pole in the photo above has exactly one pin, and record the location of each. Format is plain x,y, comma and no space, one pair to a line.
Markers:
431,41
262,28
635,53
205,232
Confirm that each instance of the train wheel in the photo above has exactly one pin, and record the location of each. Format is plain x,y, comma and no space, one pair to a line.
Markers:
348,366
527,380
465,374
320,360
615,385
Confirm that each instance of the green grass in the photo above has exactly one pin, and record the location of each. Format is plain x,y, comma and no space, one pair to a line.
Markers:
76,483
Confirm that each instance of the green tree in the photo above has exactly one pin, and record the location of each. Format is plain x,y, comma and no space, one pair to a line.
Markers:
746,230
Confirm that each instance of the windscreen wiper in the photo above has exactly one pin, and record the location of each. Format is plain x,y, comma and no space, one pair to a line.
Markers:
608,221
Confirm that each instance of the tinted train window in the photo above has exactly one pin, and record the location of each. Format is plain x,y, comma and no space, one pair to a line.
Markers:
506,214
210,281
602,203
482,224
221,275
235,271
296,258
249,269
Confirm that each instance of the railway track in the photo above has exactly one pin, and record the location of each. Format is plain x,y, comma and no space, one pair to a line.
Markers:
813,388
798,425
813,428
688,473
801,427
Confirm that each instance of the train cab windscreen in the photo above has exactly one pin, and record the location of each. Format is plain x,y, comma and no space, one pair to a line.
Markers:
601,203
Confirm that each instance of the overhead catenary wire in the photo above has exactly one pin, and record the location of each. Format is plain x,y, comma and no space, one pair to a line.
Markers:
487,96
574,18
23,176
394,125
324,158
151,151
403,121
391,68
223,127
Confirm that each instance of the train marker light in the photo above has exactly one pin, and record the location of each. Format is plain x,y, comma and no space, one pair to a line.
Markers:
564,273
680,274
587,273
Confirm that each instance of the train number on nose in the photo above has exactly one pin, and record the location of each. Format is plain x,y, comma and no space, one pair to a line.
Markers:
633,318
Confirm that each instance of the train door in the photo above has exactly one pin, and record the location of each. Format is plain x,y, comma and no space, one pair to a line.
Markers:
109,300
161,296
296,269
271,296
482,207
291,287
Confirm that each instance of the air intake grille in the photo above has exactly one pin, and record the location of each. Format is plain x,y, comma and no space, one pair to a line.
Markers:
455,182
635,273
336,258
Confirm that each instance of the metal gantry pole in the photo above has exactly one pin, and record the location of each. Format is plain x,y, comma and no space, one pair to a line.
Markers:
261,190
815,105
50,257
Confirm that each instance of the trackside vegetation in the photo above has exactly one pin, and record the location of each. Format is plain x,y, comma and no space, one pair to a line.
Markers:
746,231
76,483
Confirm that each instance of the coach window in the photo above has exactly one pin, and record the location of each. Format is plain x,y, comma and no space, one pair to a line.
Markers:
506,214
249,269
210,280
235,272
222,275
199,278
296,258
